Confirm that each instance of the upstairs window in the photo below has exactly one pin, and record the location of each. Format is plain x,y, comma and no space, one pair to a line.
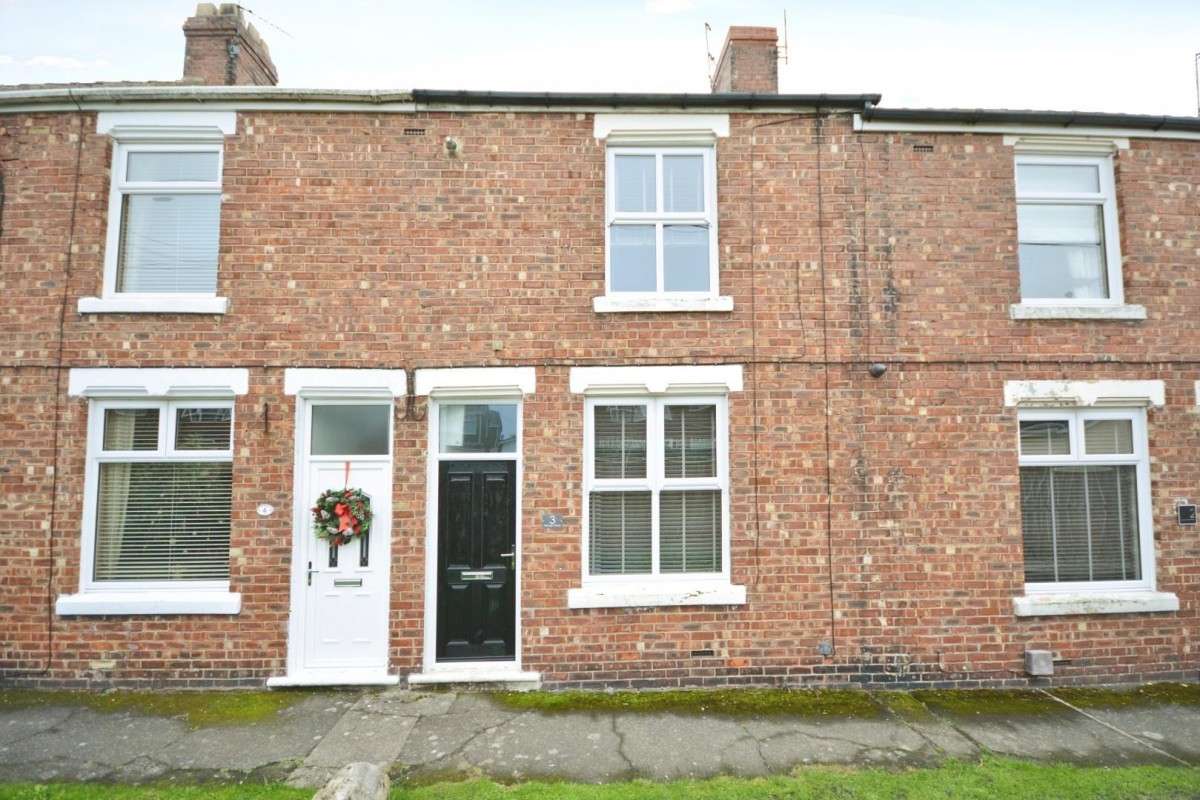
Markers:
661,222
170,218
164,214
661,212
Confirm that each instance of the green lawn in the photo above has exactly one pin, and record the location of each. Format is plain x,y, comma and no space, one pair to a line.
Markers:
992,779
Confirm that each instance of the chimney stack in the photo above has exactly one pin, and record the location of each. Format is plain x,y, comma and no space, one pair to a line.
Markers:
749,62
222,50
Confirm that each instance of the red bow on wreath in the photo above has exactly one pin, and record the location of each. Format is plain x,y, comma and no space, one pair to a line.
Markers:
346,520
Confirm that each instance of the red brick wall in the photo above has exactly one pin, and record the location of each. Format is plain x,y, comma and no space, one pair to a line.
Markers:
346,243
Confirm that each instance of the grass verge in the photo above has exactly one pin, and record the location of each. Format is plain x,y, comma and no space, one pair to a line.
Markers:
991,779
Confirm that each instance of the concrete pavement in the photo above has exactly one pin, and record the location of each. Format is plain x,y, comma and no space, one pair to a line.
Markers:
436,735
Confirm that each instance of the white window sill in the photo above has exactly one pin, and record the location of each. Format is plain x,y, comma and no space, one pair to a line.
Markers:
143,304
1020,311
610,304
681,593
1048,605
104,603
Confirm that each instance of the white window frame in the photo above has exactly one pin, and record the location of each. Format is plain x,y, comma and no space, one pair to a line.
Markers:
141,132
1079,401
659,136
656,387
167,390
1075,151
1139,459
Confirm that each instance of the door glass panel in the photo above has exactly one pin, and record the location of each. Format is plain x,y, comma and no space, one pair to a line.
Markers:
478,428
339,430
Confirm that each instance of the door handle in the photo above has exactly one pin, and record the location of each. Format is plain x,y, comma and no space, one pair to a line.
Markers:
508,555
310,573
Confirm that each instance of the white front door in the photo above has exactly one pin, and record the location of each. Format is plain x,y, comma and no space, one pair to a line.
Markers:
339,623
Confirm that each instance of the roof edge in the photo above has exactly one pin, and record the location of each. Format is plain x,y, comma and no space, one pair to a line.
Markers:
94,96
1065,119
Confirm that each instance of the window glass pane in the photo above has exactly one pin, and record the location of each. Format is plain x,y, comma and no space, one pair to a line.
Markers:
683,183
1063,271
690,531
131,429
631,258
1045,438
351,430
1108,437
1080,523
690,442
143,166
163,521
203,428
1058,178
619,535
169,243
1058,224
635,183
619,441
685,258
478,428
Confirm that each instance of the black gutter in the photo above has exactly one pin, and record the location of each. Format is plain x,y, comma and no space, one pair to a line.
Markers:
1064,119
621,100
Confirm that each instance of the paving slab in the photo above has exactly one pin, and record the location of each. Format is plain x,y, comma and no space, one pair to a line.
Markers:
18,725
93,742
787,743
1164,728
664,747
579,747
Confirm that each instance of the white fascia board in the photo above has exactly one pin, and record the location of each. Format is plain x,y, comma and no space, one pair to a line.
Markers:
675,379
345,382
889,126
1074,394
160,124
164,382
660,128
476,382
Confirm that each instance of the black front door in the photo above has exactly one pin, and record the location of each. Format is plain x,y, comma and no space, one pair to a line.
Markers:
476,555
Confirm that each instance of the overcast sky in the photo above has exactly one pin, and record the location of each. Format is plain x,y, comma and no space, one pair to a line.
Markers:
1131,56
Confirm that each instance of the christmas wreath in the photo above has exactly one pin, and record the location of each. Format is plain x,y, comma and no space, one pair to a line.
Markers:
341,514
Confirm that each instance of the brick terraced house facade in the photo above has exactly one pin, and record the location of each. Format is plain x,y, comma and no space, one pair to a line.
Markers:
643,390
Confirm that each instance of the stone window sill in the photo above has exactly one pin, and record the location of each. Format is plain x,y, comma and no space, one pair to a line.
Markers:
1023,311
1048,605
148,603
682,593
154,305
